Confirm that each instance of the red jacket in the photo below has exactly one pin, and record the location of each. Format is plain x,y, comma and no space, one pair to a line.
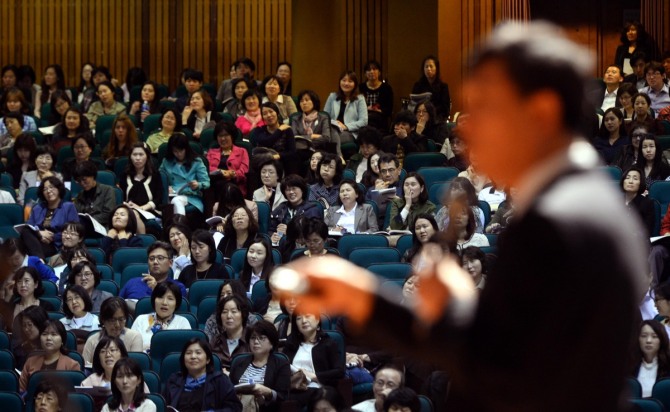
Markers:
237,161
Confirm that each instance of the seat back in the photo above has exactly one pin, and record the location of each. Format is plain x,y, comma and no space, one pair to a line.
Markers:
159,401
98,254
436,192
206,307
614,172
426,404
366,256
348,242
4,340
259,292
201,289
50,288
142,359
109,286
437,174
414,161
661,392
10,214
9,381
6,360
634,387
661,191
11,401
106,271
151,124
103,123
263,217
164,342
152,380
126,256
648,405
486,208
403,244
133,270
398,271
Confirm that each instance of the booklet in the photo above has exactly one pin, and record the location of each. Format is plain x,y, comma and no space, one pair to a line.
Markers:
92,225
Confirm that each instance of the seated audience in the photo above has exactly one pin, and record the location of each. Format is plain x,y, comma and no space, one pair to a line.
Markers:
405,139
351,214
84,273
415,201
203,256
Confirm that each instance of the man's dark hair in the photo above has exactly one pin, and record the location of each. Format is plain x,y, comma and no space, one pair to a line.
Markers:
538,57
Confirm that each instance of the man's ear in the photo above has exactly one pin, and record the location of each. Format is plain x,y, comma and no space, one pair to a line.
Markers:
544,111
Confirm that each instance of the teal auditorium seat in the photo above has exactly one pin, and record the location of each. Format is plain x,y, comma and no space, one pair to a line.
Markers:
614,172
398,271
11,401
170,363
50,288
9,380
126,256
661,392
403,244
486,208
109,286
437,174
10,214
263,217
436,192
201,289
4,340
206,307
142,359
6,360
366,256
152,380
416,160
348,242
648,405
133,270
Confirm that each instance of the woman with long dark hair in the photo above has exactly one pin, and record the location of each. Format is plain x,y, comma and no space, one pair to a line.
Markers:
651,160
651,357
431,82
203,256
633,39
53,79
633,186
141,184
239,231
128,388
258,262
611,137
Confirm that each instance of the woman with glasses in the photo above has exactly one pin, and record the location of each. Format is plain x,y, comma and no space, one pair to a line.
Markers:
107,352
203,256
78,253
78,317
82,148
294,189
232,314
45,163
238,232
165,300
329,175
26,333
268,376
113,316
43,236
86,275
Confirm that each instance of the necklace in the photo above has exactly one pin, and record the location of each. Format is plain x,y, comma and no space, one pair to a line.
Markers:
197,277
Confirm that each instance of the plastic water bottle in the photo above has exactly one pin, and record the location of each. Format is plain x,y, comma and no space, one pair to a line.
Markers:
145,106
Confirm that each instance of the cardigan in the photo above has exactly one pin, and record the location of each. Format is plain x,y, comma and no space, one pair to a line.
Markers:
219,393
96,110
398,203
64,213
328,363
35,363
365,220
30,179
279,199
141,192
179,177
355,113
277,377
238,160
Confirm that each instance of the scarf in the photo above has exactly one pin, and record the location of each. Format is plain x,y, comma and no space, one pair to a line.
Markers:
253,117
194,383
155,325
308,120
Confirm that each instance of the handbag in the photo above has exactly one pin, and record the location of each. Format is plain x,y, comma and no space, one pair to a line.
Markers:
249,403
299,381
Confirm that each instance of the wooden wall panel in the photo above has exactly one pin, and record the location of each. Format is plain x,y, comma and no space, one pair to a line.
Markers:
365,30
163,36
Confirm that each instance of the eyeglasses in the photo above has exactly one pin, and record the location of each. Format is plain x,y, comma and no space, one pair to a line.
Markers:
259,339
110,351
121,320
49,189
70,233
84,275
653,74
385,384
387,171
81,147
160,259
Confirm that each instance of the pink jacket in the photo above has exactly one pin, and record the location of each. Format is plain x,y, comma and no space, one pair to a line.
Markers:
237,161
35,362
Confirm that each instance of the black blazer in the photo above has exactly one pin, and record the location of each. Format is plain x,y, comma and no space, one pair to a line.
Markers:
277,377
557,313
328,364
219,394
